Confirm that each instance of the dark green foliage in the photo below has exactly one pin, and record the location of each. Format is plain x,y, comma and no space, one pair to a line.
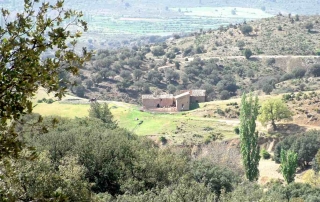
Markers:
158,51
267,88
306,146
154,76
224,95
288,165
299,72
316,162
102,112
79,90
171,75
163,140
265,154
246,191
250,149
213,177
89,83
115,161
315,70
286,76
309,26
137,74
247,53
21,69
184,190
126,75
171,55
241,44
246,29
294,191
171,88
271,61
236,130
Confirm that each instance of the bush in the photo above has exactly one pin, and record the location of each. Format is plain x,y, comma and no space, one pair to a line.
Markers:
315,70
50,101
158,51
286,76
306,146
236,130
271,61
298,72
241,44
171,88
163,140
267,88
265,154
309,26
247,53
246,29
79,90
224,95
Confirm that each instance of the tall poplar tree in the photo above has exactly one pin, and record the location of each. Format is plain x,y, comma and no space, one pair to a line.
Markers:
249,137
289,164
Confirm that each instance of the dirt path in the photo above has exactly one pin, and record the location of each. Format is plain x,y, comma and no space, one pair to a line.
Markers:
254,57
270,170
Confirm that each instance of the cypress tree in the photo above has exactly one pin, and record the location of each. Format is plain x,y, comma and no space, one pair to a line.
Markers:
249,137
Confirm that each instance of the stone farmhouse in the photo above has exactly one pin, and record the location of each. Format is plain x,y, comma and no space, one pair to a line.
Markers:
169,102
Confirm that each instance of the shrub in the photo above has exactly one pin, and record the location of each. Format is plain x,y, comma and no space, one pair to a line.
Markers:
158,51
298,72
163,140
247,53
79,90
271,61
309,26
267,88
306,146
265,154
236,130
241,44
171,88
315,70
246,29
224,95
50,101
286,76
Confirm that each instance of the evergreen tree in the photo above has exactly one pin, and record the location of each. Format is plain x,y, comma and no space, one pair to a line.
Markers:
289,164
249,137
103,113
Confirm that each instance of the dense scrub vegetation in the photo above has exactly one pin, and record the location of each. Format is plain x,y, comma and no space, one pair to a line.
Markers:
86,159
198,61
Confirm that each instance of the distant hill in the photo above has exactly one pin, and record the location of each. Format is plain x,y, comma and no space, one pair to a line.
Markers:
285,55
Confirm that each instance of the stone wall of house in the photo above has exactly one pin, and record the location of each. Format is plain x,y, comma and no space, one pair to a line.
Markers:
183,103
199,99
157,102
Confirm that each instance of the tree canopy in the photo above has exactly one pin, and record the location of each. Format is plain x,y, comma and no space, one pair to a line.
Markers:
23,65
274,110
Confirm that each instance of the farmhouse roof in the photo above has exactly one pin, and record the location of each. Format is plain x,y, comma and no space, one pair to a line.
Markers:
195,93
182,95
150,96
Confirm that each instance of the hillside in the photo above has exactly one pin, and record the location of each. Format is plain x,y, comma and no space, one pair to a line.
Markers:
212,60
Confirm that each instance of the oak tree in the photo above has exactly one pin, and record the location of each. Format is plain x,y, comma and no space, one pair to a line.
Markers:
274,110
39,29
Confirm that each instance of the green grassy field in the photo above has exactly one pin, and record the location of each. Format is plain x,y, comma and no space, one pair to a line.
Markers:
178,127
